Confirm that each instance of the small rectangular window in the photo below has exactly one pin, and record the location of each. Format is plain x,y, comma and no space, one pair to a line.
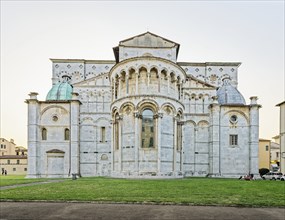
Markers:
8,161
266,147
103,131
151,142
233,139
25,169
18,161
14,169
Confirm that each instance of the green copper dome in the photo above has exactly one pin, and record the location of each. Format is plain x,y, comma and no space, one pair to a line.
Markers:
60,91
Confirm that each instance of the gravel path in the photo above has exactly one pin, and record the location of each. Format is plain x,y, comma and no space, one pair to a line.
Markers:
74,210
29,184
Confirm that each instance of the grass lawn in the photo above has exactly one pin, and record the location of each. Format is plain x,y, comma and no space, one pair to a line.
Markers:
17,179
196,191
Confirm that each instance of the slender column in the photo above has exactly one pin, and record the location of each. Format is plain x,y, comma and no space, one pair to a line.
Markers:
174,145
159,82
137,83
120,144
179,90
114,89
137,141
113,145
148,76
181,145
195,143
119,87
127,84
168,82
159,117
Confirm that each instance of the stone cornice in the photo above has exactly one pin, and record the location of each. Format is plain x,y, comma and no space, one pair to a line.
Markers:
197,88
82,61
147,96
160,48
237,64
196,114
59,101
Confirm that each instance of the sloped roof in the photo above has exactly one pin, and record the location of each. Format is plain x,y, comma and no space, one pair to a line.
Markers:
281,103
148,39
227,94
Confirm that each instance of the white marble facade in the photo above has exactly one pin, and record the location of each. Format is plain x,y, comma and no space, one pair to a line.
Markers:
143,115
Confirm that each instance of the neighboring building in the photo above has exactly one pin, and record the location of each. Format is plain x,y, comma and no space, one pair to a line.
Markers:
7,147
276,139
282,136
264,153
275,153
13,158
269,154
143,114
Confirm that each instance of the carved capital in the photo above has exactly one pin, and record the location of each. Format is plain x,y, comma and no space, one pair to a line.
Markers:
119,117
158,115
137,115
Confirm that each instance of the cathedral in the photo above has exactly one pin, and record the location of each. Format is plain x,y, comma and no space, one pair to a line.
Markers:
143,115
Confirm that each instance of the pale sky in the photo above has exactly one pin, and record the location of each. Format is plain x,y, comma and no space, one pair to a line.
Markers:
251,32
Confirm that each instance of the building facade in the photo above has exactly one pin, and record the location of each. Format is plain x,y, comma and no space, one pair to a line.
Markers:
269,154
282,136
143,115
264,153
13,159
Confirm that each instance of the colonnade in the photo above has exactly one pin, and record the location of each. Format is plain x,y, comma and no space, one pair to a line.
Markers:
123,80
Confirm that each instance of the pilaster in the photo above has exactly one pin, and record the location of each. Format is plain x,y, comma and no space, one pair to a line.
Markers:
33,136
214,151
254,135
74,131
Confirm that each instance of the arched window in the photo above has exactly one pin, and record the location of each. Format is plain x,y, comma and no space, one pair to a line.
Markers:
44,134
66,134
147,129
